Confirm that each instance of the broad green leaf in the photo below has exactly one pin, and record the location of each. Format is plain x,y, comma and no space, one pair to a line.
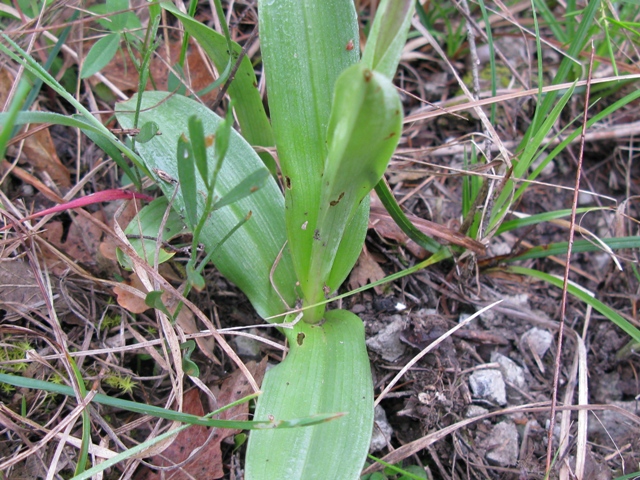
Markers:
143,232
248,256
364,130
100,54
327,370
305,47
388,36
254,124
116,22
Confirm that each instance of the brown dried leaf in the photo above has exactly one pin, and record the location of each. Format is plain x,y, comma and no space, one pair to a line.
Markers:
366,271
123,74
82,242
19,288
129,300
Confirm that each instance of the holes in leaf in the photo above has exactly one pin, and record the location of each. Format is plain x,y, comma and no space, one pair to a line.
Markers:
287,183
300,338
335,202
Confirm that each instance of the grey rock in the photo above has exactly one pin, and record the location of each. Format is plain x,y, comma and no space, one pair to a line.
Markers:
382,430
489,384
614,425
605,388
549,169
475,411
585,198
538,340
502,444
511,371
386,342
247,347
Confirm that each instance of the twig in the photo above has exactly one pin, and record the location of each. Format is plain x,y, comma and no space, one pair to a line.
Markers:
235,68
563,304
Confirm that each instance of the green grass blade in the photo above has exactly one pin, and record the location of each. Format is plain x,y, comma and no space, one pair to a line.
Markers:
605,310
579,246
247,258
9,120
159,412
108,143
246,187
389,201
327,369
83,455
541,218
187,177
531,152
35,68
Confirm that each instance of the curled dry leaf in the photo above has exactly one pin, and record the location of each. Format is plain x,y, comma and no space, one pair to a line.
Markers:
82,240
366,271
129,300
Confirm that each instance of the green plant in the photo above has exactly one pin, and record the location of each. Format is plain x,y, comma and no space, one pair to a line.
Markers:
336,122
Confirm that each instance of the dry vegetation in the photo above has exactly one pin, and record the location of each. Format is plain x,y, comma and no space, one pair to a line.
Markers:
67,308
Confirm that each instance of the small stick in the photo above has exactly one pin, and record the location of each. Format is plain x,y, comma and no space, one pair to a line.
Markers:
563,304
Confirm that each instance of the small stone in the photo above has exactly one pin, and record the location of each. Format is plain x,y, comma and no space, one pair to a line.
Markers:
358,308
489,384
475,411
585,198
386,343
502,445
612,426
548,169
247,347
511,371
382,430
538,341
